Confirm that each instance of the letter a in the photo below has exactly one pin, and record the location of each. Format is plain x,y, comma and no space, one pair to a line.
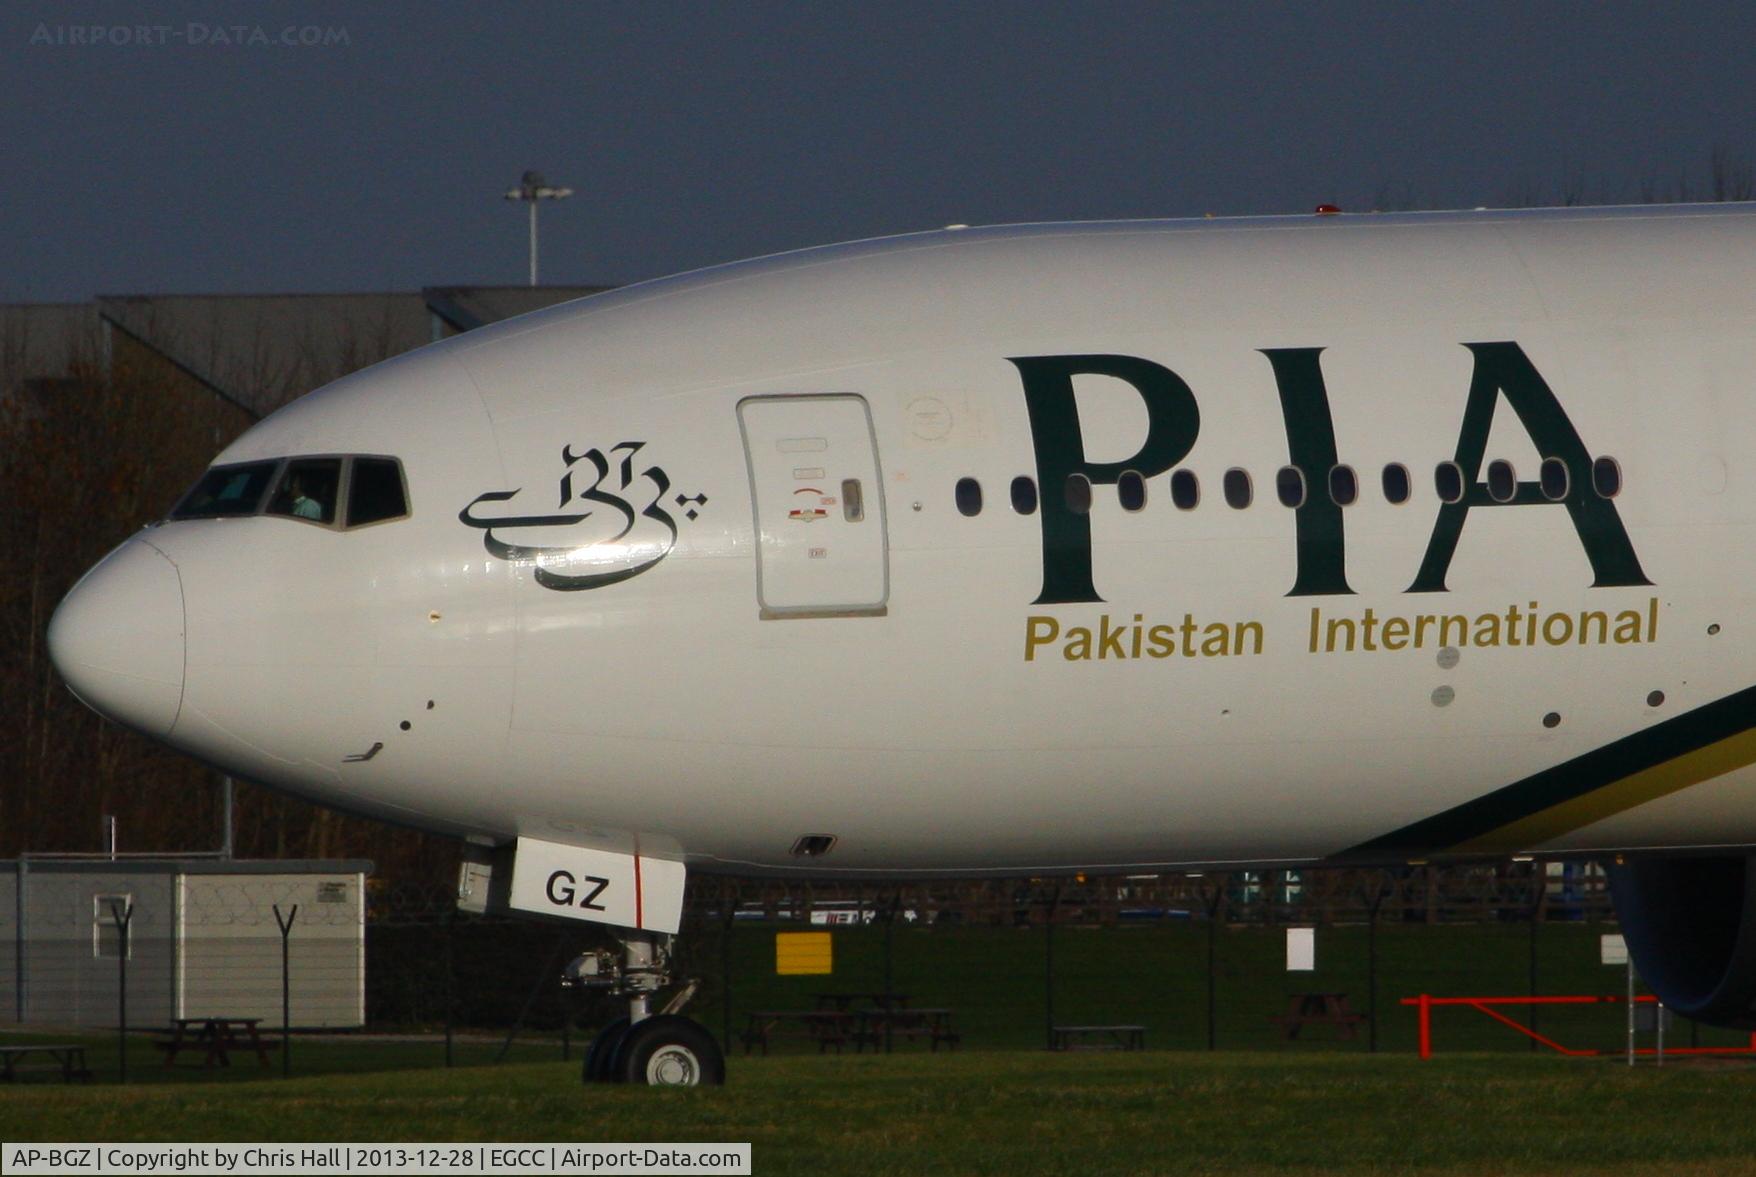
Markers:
1503,368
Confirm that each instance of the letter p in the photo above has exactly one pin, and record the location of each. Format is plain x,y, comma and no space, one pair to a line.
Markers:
1172,422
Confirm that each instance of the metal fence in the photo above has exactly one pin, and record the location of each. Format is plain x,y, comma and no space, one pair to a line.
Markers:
1199,960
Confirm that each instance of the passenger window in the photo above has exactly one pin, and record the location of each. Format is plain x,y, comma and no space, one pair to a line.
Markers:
1078,491
1448,481
969,496
1289,485
1185,490
1131,490
308,490
1024,495
1502,480
1606,477
375,491
1344,486
1556,479
1239,492
1396,483
226,490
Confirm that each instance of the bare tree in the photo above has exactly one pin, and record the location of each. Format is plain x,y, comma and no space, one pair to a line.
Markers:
85,460
1730,177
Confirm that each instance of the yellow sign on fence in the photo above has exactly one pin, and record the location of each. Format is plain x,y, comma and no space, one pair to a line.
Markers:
802,954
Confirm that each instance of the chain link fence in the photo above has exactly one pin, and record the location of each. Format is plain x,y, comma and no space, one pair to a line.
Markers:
1199,961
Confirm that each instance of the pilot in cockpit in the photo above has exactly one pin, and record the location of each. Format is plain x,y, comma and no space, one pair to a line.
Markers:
308,490
302,504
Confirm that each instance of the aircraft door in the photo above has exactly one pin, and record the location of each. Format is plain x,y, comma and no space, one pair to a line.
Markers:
819,505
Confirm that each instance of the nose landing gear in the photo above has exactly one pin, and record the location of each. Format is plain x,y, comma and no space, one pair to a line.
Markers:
659,1050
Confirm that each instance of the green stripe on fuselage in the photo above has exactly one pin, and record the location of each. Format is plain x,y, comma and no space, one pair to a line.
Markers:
1697,746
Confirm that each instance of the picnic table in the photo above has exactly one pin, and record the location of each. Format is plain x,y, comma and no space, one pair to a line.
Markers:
1098,1038
67,1060
1304,1009
881,1027
825,1027
214,1038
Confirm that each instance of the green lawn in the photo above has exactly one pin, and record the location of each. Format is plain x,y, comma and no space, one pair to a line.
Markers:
1002,1105
1018,1112
329,1056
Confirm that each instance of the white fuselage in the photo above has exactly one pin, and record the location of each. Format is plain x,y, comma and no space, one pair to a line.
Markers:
933,712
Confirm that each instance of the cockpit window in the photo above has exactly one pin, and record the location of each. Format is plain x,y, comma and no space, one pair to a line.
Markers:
227,490
375,491
364,490
309,489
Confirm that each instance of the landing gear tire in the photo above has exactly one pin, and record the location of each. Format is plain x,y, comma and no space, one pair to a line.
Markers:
600,1056
670,1051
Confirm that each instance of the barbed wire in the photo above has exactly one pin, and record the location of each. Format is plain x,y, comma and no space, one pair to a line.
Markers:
1429,893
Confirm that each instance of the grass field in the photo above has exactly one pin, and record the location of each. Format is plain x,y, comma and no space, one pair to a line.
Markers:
1011,1112
1002,1105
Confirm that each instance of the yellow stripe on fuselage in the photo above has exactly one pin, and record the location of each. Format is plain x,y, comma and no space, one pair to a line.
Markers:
1661,780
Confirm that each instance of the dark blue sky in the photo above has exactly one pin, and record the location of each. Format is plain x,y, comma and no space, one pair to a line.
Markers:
695,134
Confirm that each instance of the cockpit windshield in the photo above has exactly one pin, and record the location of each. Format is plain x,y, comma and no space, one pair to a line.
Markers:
227,490
319,490
375,491
308,489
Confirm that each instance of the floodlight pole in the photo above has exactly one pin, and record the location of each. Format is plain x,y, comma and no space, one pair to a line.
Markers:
226,817
532,188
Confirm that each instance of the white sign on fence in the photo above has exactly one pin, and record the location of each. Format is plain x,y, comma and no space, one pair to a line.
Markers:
1301,950
1613,949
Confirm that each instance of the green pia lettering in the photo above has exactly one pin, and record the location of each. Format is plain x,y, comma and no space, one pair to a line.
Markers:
562,890
1174,422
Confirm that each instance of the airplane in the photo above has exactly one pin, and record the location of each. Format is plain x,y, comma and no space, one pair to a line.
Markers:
1024,550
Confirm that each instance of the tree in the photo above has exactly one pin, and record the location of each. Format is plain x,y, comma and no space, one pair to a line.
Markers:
87,459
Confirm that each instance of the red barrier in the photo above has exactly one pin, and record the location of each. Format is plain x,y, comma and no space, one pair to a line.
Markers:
1426,1002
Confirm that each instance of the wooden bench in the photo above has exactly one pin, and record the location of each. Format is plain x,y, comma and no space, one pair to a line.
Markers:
825,1027
1097,1038
1330,1009
68,1061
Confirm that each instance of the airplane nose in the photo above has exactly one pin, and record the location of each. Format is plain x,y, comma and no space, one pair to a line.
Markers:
117,638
